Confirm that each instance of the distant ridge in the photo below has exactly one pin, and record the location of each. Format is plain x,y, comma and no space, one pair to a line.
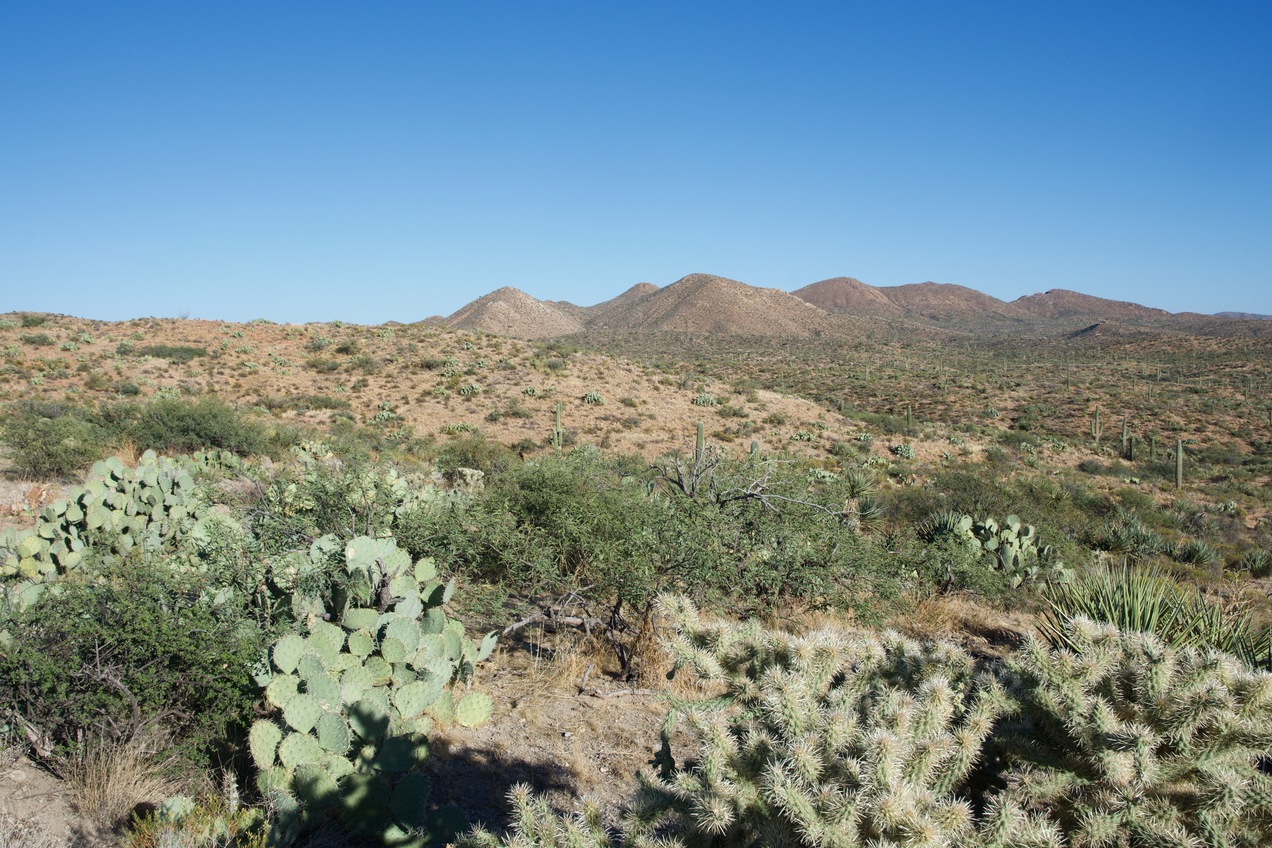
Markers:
512,312
608,307
704,303
1253,316
708,304
942,302
1062,303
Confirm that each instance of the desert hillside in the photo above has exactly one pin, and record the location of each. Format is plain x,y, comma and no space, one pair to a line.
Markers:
427,381
1062,303
512,312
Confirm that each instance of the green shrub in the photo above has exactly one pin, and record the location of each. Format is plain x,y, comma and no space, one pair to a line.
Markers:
473,451
138,646
304,403
173,353
322,365
51,440
175,425
38,339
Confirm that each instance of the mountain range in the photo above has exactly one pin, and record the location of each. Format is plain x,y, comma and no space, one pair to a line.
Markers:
704,303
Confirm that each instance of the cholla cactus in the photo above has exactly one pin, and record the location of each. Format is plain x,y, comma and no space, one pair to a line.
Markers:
835,738
539,826
1123,741
854,739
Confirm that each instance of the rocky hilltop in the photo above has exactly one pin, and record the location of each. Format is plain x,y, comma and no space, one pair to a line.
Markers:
1062,303
512,312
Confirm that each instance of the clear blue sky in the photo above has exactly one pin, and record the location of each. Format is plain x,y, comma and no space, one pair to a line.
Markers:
391,160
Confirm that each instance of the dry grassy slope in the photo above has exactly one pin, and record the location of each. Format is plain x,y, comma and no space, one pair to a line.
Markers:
942,302
849,296
646,411
633,294
1062,303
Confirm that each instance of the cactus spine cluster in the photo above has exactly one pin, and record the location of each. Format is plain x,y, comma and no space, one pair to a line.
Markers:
1126,741
834,738
355,697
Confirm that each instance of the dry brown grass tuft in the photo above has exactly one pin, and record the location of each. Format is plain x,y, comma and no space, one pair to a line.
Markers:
108,780
10,752
983,629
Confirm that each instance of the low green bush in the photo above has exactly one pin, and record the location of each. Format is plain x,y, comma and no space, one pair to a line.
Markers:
136,647
48,440
177,425
173,353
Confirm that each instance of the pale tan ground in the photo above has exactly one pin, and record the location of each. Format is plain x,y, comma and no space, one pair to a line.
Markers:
31,799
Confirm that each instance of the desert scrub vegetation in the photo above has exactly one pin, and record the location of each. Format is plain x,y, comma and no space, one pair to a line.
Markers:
48,439
331,585
858,738
280,641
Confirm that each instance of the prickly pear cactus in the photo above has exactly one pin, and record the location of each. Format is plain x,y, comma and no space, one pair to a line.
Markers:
1012,544
118,510
355,697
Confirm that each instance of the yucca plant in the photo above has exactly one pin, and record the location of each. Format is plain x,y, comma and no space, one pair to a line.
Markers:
1257,562
1145,600
1129,538
945,524
1196,552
